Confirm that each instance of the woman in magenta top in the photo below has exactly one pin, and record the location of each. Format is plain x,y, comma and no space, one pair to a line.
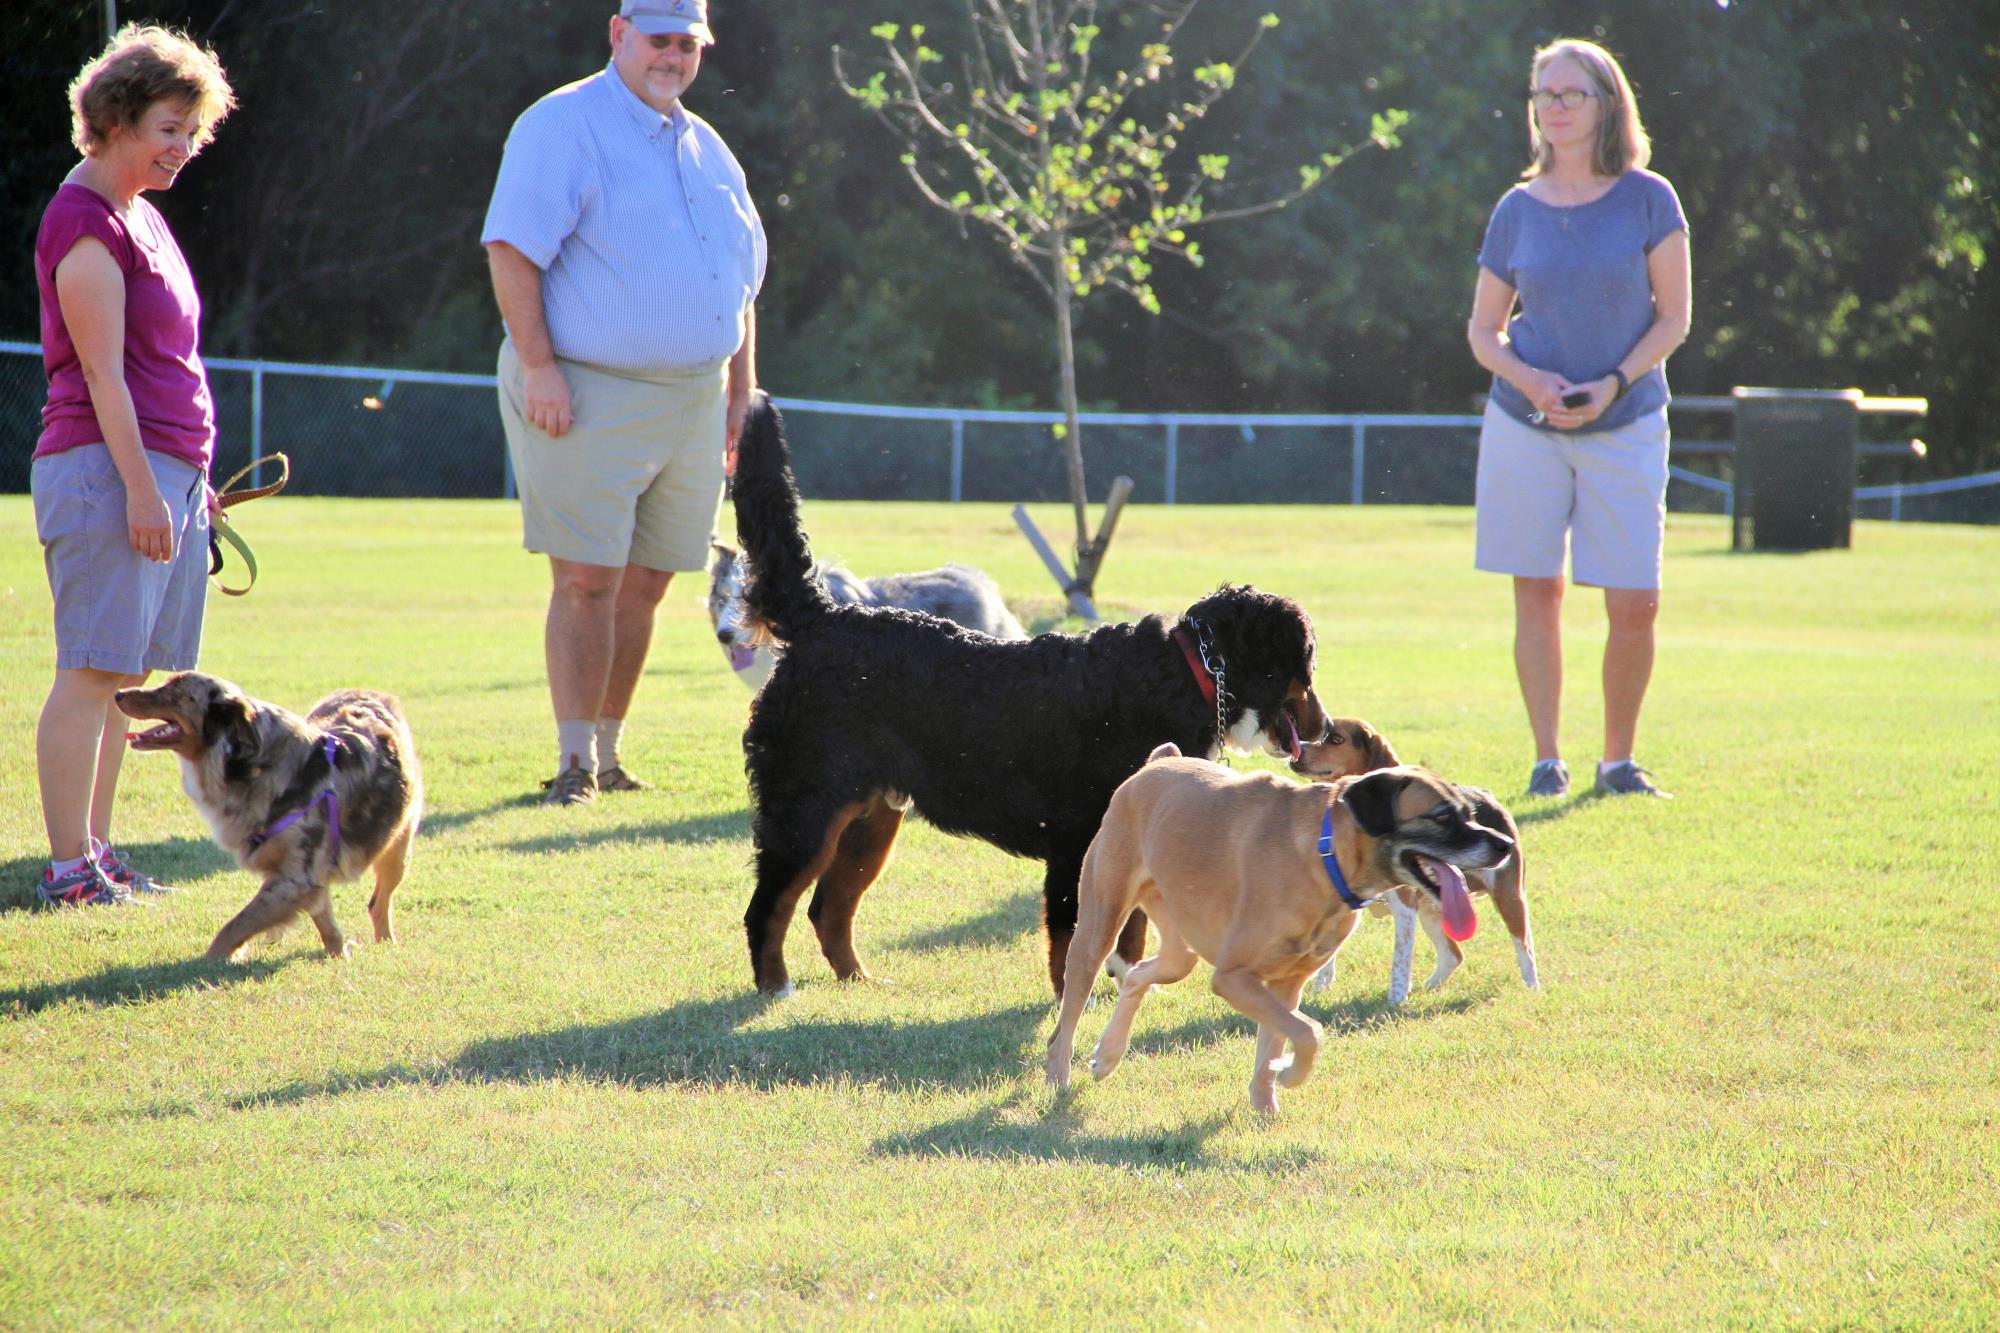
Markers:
120,473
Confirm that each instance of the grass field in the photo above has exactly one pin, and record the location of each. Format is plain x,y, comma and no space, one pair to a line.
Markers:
1758,1089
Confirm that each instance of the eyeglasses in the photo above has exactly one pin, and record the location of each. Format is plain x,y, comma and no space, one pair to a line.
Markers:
1569,98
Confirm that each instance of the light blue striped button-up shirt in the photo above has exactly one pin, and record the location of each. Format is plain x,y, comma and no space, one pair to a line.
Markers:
650,249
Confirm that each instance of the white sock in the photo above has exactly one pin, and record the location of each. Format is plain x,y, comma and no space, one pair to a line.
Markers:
610,731
57,869
576,742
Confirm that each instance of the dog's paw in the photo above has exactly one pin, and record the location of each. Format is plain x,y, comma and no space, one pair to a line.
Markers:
1295,1071
1264,1098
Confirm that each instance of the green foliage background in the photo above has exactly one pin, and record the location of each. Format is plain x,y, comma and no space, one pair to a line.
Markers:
1836,161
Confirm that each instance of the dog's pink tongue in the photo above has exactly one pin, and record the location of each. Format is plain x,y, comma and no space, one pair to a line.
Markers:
1460,921
740,659
1294,748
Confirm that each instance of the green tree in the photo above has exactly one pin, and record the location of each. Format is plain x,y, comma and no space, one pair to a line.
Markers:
1064,153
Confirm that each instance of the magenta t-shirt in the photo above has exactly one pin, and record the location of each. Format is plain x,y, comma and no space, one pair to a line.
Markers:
162,329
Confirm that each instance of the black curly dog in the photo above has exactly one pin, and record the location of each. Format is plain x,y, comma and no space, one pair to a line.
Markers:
873,710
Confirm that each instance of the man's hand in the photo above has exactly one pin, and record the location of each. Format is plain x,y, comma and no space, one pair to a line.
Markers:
739,412
547,407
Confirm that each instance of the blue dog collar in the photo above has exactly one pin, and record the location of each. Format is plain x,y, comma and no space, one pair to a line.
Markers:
1333,865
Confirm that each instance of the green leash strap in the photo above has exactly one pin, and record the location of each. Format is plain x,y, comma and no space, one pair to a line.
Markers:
220,529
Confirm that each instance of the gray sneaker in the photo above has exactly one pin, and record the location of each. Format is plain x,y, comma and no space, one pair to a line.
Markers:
115,870
1628,779
85,886
1550,778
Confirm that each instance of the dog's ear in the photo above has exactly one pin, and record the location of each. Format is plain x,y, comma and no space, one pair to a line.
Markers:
1260,633
1372,801
230,724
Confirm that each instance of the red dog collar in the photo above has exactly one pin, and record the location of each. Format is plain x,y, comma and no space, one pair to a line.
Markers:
1202,675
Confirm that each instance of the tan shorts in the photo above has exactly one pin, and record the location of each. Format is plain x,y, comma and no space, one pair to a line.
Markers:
1602,494
638,477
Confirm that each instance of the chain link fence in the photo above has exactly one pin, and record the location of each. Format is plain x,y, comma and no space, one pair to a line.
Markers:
359,431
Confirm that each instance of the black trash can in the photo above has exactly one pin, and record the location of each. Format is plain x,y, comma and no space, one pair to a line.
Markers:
1795,468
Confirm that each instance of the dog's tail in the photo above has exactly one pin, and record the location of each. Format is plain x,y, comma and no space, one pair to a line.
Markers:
783,592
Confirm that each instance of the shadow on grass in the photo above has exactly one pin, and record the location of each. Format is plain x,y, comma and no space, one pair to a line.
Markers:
1002,924
1569,805
170,862
702,1043
443,821
141,984
1556,809
1060,1136
1340,1018
707,828
1544,813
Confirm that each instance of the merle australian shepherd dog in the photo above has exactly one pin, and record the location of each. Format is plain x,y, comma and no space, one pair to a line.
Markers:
873,711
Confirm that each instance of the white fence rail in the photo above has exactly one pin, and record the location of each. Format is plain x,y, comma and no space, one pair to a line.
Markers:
416,463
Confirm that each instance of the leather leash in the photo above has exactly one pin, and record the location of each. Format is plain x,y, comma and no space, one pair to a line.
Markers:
220,529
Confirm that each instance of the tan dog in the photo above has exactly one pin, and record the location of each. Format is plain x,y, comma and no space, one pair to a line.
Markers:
301,801
1263,878
1352,747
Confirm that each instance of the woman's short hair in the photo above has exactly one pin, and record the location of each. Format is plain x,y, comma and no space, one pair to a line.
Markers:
1622,144
143,65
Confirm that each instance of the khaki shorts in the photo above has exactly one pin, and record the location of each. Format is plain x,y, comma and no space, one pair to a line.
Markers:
1602,494
638,477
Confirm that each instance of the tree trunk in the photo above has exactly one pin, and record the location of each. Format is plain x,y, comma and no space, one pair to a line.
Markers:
1072,437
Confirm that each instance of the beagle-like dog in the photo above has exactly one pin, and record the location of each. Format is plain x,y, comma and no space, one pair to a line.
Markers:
1352,747
1263,878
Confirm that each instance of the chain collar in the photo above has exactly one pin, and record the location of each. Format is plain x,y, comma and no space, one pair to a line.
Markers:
1211,660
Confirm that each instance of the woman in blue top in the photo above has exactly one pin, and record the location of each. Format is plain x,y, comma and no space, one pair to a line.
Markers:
1583,293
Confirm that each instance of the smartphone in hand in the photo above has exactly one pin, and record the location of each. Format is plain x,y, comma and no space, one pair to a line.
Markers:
1581,398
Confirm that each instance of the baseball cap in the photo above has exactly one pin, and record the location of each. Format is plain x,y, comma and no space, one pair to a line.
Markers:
655,17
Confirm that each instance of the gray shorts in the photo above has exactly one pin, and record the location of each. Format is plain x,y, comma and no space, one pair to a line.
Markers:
1603,494
637,478
116,610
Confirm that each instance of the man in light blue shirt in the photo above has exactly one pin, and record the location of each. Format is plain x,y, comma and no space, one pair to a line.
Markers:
626,258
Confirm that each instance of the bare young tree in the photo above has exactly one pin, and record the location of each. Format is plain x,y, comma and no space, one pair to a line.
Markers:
1069,167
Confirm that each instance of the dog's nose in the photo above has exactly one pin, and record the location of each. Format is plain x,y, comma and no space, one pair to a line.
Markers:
725,638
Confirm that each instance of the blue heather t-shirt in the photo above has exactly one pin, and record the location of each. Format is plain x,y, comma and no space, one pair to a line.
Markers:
1585,296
